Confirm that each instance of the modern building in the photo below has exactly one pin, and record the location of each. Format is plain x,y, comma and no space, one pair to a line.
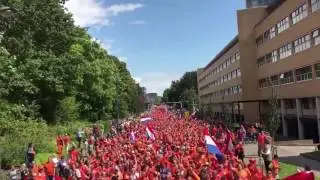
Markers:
276,51
152,98
258,3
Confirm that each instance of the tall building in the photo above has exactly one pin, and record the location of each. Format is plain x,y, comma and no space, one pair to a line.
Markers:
152,98
276,51
257,3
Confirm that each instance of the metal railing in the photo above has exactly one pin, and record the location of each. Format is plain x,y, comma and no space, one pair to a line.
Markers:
304,76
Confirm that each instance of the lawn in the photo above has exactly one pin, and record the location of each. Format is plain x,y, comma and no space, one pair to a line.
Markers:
288,169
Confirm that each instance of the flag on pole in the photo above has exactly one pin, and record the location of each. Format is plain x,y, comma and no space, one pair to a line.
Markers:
150,133
229,141
211,145
146,119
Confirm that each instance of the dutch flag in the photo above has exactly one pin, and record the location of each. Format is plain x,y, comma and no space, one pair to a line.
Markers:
211,145
150,133
146,119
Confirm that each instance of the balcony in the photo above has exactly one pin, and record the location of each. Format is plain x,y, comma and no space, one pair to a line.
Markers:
304,76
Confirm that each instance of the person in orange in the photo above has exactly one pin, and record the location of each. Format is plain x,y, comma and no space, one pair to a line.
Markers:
50,169
269,176
275,166
244,173
59,140
40,175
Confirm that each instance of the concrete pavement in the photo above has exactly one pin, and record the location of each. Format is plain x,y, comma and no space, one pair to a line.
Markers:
289,155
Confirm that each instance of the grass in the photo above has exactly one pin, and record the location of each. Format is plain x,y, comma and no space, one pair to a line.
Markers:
288,170
42,158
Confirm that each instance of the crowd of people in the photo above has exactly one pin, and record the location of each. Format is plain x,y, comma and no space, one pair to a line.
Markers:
175,150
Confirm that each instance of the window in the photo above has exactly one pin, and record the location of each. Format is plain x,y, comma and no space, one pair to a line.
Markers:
286,77
271,33
240,88
233,59
317,67
299,14
304,74
233,74
285,51
268,58
315,4
238,72
316,36
261,61
224,65
274,80
302,43
229,76
237,55
234,90
283,25
290,104
263,83
228,62
259,40
274,56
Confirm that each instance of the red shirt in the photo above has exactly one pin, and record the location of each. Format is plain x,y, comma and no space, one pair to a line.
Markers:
261,139
49,167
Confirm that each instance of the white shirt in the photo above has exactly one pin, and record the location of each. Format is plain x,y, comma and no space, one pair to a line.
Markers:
78,173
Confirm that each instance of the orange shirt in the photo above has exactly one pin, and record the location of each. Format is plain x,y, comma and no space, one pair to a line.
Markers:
244,174
49,168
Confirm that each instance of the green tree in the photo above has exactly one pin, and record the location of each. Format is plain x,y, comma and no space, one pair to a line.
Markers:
184,89
272,120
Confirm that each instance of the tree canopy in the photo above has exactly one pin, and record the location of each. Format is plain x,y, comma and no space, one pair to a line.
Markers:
57,71
184,90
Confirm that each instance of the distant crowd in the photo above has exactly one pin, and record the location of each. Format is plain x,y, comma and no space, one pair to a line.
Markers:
167,146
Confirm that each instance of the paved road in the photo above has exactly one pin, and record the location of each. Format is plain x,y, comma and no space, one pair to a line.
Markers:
290,155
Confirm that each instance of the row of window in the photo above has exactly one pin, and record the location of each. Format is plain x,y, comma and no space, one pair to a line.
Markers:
301,74
299,45
300,13
222,66
306,103
228,91
227,77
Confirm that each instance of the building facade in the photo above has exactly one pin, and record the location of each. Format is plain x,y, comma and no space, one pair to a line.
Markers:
277,51
257,3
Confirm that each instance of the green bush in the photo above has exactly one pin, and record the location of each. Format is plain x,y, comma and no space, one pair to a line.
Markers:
17,135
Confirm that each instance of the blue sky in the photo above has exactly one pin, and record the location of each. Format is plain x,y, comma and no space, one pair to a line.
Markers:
159,39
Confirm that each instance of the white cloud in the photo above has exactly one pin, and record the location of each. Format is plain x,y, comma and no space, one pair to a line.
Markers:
157,81
107,45
138,22
93,13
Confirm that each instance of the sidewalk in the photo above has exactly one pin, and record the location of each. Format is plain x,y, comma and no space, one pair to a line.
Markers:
290,155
